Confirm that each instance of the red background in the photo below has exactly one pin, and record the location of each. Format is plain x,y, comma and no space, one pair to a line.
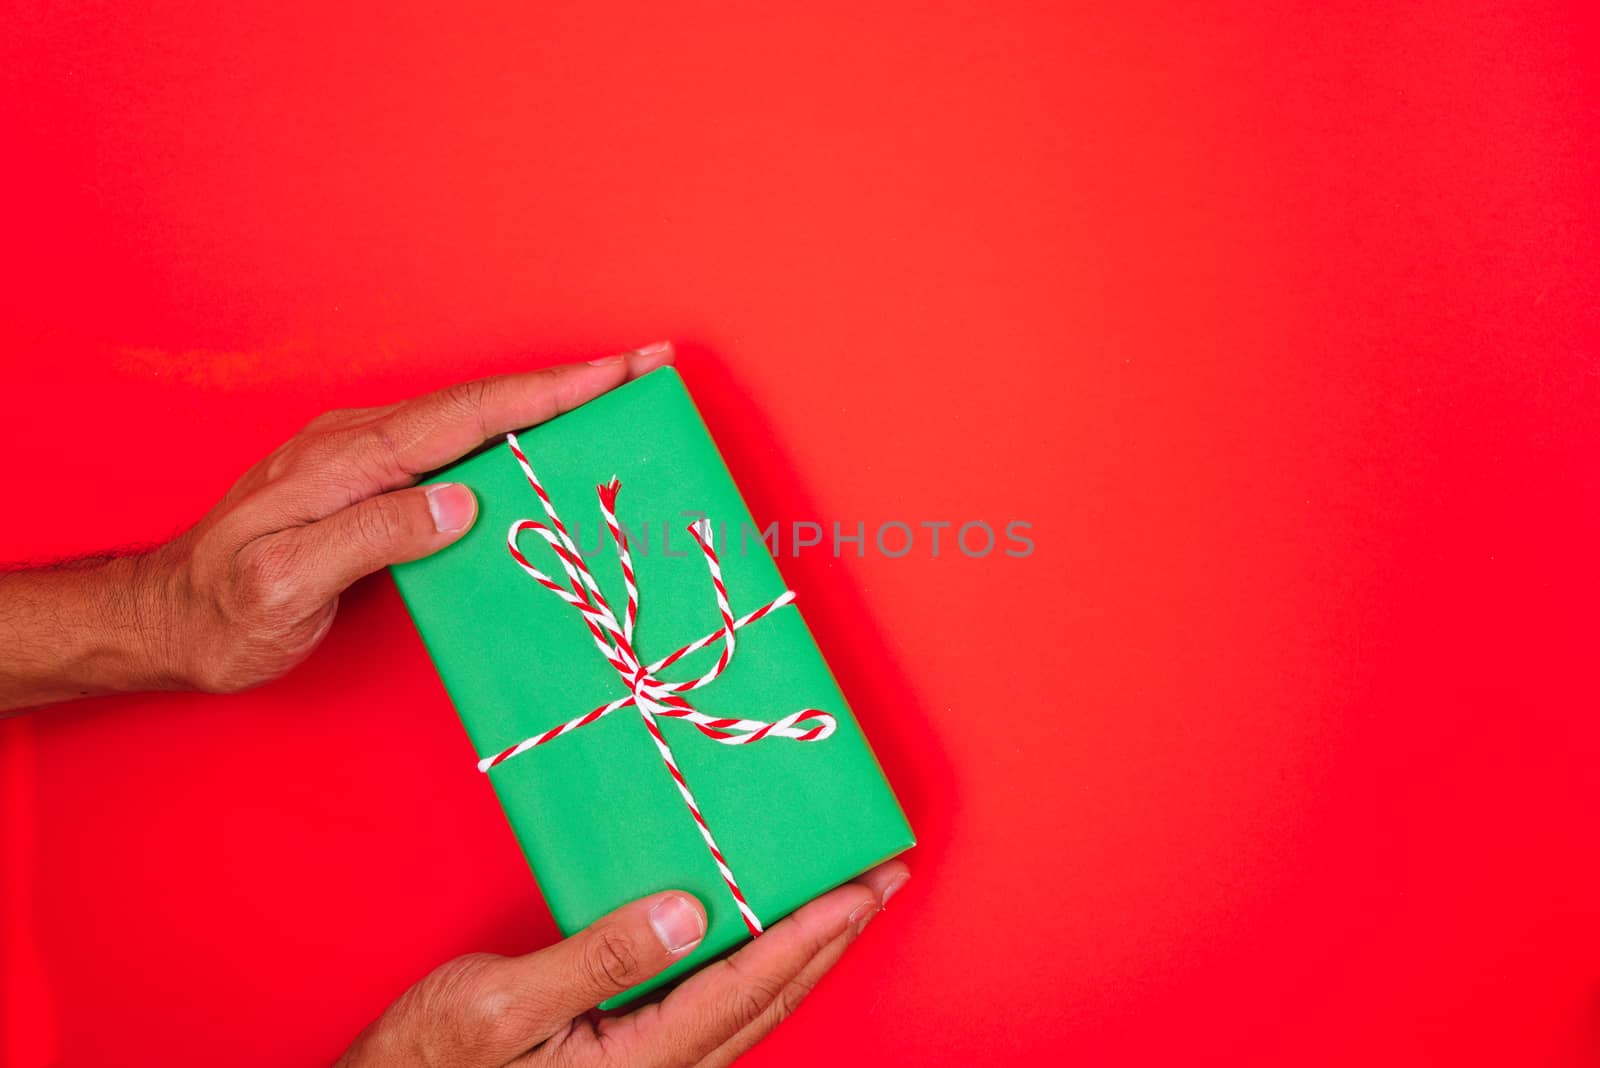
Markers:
1281,330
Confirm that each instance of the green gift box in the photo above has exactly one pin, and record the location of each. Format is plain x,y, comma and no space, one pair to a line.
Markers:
605,811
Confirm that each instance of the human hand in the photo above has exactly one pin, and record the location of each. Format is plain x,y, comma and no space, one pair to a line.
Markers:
249,592
534,1010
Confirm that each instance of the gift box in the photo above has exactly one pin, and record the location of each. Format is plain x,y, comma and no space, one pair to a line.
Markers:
582,627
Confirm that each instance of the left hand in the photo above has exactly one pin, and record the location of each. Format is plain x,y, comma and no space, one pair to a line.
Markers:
252,589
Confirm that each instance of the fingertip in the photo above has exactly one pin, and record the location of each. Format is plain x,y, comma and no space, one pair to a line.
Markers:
643,360
886,878
862,914
894,886
882,882
453,508
678,920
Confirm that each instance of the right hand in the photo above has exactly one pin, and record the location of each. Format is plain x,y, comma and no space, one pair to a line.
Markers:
533,1010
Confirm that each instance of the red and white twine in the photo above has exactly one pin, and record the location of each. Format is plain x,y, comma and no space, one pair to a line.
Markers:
653,698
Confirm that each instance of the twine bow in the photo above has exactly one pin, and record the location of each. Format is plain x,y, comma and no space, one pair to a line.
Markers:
654,698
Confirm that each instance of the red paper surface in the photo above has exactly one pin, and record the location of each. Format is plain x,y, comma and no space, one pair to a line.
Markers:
1280,330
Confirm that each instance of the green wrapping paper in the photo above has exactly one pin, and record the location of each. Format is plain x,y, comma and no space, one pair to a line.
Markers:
596,811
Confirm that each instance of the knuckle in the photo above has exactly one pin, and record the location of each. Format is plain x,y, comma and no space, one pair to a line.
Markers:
282,460
488,1014
556,384
611,960
267,580
364,455
458,983
464,992
310,444
307,456
789,999
747,1007
466,399
331,418
375,444
368,443
324,438
379,520
750,999
468,396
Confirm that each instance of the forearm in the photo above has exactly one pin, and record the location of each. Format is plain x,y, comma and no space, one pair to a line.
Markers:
81,629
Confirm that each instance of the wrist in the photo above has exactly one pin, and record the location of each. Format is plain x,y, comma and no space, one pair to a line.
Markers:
146,620
117,619
89,627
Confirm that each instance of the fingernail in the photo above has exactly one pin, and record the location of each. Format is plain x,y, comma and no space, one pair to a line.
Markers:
603,361
894,887
452,506
863,915
655,348
677,923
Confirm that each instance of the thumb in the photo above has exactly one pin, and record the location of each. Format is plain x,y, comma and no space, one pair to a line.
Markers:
616,952
390,528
